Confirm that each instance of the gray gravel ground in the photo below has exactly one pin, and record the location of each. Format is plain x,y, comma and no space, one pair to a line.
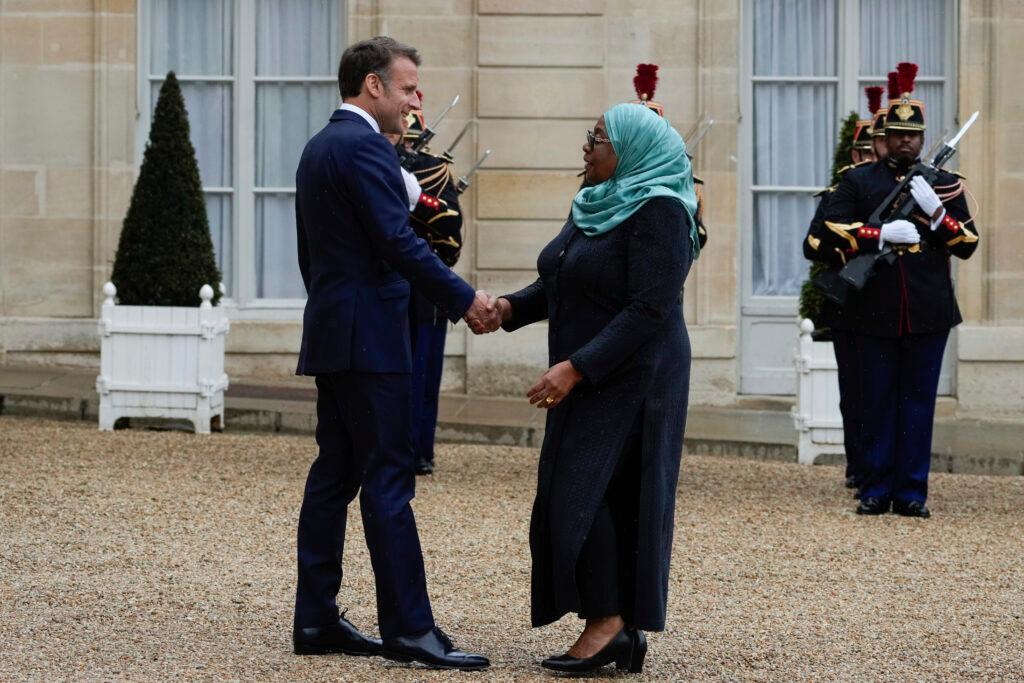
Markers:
166,556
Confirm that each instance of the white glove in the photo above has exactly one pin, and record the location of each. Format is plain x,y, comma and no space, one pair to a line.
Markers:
926,198
898,232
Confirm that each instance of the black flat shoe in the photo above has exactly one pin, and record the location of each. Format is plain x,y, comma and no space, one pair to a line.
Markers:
912,509
340,638
424,466
853,482
434,649
873,506
627,649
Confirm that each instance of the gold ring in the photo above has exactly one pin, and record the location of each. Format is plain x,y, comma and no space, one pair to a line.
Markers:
549,400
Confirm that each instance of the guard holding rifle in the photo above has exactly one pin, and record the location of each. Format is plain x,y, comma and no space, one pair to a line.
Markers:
897,222
437,218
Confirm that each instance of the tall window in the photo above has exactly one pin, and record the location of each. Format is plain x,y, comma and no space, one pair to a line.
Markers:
810,62
259,78
795,82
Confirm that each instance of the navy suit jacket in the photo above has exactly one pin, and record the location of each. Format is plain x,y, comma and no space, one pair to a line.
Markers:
357,254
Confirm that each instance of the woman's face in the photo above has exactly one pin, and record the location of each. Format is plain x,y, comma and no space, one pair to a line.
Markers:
599,159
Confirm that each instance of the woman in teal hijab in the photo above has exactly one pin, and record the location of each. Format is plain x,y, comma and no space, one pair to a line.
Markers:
610,286
651,162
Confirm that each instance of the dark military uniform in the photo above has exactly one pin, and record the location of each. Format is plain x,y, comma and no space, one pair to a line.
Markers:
901,320
437,219
818,247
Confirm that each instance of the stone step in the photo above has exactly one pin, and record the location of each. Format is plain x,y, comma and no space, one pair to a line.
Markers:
756,427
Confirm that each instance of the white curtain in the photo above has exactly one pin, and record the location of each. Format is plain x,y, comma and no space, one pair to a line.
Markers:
893,31
293,38
193,38
794,131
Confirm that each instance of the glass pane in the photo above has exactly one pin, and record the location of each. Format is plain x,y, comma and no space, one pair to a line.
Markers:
218,209
191,37
286,117
893,31
795,38
210,125
277,261
794,133
298,37
780,221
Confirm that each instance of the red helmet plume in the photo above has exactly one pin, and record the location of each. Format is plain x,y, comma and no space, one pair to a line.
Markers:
874,93
907,73
645,81
894,85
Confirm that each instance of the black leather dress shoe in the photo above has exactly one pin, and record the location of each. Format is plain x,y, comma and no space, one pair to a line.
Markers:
913,509
434,649
853,482
341,638
873,506
627,649
424,466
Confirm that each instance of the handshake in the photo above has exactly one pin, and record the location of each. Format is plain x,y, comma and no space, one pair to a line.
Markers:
486,313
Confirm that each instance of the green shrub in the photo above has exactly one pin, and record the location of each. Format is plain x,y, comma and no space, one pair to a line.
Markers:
165,254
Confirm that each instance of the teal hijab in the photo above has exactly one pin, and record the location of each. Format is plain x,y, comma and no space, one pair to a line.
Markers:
652,163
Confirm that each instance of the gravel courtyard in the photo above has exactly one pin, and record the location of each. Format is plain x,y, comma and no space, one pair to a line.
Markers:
144,555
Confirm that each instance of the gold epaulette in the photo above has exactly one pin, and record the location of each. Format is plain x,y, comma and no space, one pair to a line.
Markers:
846,168
824,191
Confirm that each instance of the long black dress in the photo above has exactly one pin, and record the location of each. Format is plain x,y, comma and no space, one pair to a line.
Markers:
614,308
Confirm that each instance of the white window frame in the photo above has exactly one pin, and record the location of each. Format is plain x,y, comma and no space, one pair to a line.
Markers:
241,302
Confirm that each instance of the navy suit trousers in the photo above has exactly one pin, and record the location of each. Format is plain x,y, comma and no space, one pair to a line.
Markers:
363,435
428,339
899,381
845,345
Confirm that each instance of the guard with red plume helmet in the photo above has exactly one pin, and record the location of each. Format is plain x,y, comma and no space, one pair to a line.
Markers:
901,315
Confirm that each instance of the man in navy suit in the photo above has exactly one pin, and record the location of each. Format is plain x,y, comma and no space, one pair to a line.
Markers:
358,256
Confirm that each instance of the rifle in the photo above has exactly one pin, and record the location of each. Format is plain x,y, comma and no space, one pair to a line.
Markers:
898,205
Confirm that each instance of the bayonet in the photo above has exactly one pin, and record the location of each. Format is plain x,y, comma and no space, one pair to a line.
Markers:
458,139
694,140
463,182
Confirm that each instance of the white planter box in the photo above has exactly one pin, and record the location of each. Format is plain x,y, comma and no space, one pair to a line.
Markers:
162,361
816,413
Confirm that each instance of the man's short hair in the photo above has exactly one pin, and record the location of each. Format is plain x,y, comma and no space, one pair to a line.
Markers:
371,56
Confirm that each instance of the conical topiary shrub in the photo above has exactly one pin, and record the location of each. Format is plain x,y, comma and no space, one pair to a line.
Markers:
165,254
813,304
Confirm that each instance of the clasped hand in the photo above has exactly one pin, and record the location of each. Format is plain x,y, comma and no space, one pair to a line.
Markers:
484,314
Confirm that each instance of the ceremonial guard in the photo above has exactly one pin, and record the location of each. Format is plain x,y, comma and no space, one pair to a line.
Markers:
861,153
644,83
902,315
436,218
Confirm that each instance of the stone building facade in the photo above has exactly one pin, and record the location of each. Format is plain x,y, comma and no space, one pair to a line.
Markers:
75,94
